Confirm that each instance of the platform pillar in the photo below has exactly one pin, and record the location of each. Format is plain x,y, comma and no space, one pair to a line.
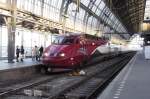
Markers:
11,26
64,9
0,41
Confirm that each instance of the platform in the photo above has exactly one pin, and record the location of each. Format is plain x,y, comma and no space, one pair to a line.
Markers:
132,82
17,70
4,65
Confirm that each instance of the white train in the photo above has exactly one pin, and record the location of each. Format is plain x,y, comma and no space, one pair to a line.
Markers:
112,48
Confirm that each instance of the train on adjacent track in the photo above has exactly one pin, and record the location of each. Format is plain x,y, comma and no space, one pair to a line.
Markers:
69,52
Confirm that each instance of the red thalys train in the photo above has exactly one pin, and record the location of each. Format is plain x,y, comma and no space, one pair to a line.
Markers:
69,52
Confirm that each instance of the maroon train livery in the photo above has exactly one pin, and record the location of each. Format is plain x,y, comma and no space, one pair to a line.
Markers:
69,52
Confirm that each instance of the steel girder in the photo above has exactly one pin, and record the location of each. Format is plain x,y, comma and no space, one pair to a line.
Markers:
91,13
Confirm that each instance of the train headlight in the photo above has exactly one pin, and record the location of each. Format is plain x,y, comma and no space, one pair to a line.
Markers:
93,44
45,54
71,58
62,54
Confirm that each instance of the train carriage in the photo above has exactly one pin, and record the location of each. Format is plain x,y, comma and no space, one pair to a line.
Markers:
70,51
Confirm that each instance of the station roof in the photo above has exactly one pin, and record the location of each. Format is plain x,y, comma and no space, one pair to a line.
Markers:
131,13
126,18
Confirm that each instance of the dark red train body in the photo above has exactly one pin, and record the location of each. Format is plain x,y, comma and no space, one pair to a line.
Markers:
68,52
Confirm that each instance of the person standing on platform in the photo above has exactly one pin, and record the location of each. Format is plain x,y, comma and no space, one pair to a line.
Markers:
41,52
17,54
22,53
36,53
33,54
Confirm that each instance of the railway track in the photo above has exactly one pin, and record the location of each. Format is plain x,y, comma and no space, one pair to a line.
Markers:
6,84
62,86
93,86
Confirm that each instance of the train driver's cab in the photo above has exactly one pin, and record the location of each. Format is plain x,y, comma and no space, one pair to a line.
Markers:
61,40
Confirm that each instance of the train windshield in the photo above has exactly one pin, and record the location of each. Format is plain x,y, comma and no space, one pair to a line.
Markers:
63,40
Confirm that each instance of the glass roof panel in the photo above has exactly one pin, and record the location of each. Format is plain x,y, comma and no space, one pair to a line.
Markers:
102,5
99,8
147,10
94,8
85,2
97,2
